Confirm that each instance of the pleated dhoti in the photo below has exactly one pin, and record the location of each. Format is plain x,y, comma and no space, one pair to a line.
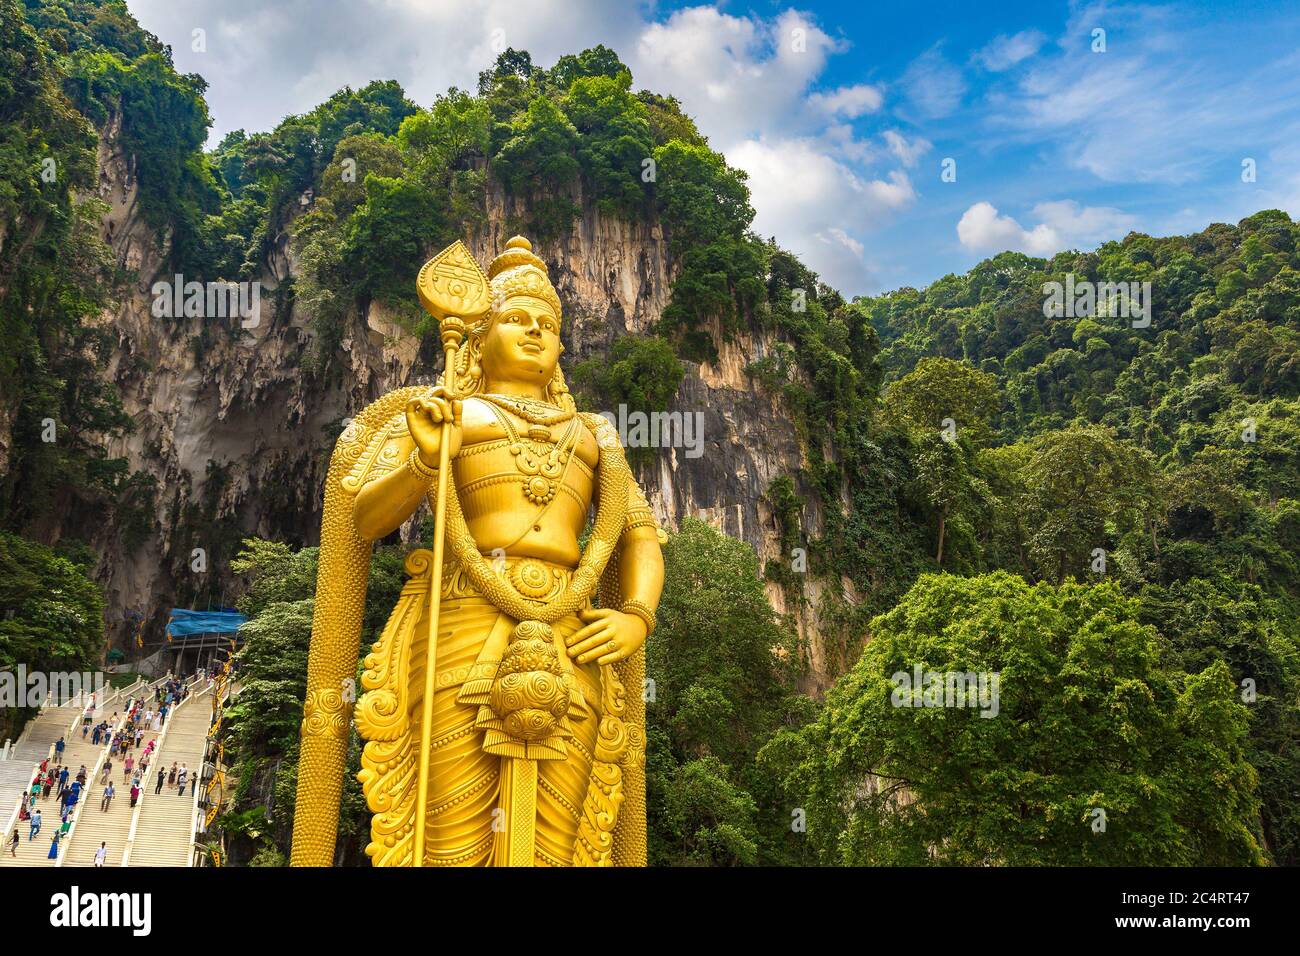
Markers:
464,816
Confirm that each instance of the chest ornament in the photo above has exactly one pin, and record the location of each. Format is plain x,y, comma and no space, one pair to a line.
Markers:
538,459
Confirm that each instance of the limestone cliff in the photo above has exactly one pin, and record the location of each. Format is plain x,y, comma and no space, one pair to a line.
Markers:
237,435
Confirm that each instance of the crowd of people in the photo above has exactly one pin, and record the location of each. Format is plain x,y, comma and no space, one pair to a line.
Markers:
51,780
122,737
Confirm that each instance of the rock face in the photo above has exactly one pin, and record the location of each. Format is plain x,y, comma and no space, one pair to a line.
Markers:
237,435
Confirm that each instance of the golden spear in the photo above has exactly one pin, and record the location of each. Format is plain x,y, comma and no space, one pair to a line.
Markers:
451,286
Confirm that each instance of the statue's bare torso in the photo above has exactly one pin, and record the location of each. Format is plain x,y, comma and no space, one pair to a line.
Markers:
490,485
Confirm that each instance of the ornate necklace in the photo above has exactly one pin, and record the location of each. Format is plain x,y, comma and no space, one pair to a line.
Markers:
614,477
541,461
531,410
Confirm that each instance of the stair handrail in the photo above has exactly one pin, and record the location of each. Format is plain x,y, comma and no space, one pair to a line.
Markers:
27,728
118,691
221,694
195,819
198,781
22,737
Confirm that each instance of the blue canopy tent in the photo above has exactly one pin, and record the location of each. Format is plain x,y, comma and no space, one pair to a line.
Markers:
184,623
198,631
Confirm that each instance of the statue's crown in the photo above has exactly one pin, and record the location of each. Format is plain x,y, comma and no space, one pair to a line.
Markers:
518,272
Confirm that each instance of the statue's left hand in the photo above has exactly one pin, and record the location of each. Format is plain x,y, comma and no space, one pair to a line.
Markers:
609,636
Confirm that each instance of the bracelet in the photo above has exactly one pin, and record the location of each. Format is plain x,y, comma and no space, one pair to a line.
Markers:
643,611
417,465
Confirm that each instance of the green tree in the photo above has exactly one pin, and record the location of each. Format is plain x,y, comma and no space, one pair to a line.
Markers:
356,158
457,127
939,389
51,616
1087,719
541,153
640,372
948,483
1083,489
702,200
401,222
263,723
715,820
599,61
164,122
722,667
1230,621
668,121
538,158
615,141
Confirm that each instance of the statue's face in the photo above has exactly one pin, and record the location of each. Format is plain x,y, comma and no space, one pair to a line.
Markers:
524,340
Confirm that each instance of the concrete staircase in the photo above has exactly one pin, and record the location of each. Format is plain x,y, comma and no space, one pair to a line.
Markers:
37,739
16,775
111,826
164,834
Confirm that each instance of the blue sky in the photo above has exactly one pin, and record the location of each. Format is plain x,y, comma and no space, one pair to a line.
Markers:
843,114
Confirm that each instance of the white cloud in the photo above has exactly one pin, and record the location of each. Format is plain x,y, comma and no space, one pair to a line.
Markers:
1004,52
933,85
1063,224
981,229
742,77
1084,225
814,204
841,140
849,102
907,151
844,239
751,93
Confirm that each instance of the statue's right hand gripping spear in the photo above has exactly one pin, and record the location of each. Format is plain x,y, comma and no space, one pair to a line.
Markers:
451,287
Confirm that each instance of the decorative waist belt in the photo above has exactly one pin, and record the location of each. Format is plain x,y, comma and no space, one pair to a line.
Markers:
536,580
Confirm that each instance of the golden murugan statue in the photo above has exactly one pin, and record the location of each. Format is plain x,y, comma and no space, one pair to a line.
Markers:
502,705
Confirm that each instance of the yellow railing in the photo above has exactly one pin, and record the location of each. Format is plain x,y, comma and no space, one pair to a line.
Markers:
217,783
